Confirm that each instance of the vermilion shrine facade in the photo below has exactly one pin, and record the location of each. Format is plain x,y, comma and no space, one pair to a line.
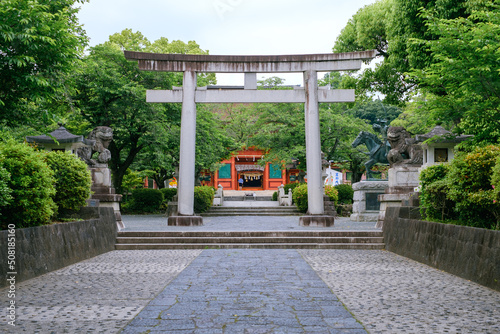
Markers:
245,164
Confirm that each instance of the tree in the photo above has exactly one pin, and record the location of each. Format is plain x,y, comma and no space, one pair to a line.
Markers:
463,76
388,26
40,43
112,92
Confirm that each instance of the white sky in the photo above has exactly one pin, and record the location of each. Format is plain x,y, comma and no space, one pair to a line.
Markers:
227,27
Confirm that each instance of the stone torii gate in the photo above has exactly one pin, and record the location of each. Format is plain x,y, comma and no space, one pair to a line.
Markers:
310,95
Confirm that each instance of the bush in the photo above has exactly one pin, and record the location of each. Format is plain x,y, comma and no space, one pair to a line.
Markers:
203,198
434,201
146,200
275,196
73,180
168,194
346,193
299,196
32,186
332,193
291,186
471,187
495,180
5,191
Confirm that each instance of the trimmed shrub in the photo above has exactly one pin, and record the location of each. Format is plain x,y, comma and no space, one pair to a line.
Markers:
291,186
495,180
434,201
299,196
32,185
346,193
5,191
332,193
168,195
275,196
471,187
203,198
73,180
146,200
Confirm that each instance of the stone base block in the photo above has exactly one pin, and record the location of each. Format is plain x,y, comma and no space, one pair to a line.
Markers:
364,217
386,201
185,221
318,220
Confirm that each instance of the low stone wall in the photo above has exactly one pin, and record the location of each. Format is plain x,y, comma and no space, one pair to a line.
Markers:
42,249
470,253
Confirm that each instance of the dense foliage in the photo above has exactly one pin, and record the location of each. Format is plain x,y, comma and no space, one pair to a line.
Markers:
332,193
40,43
203,198
32,186
346,193
73,180
299,196
464,191
145,200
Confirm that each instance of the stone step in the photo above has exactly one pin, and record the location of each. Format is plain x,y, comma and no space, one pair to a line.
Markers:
254,234
250,239
251,245
252,211
253,240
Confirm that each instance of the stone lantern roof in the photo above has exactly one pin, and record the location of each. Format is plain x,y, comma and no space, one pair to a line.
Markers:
60,136
444,136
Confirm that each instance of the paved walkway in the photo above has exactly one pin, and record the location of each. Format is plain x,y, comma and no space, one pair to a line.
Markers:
251,291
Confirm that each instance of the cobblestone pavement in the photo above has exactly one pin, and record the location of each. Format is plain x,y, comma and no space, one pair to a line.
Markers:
246,291
99,295
389,293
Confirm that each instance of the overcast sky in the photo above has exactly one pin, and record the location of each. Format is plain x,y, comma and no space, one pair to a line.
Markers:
227,27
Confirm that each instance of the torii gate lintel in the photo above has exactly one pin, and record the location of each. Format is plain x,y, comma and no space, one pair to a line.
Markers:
310,95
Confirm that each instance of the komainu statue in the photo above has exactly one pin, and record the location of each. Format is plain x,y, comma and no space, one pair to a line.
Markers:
404,149
102,135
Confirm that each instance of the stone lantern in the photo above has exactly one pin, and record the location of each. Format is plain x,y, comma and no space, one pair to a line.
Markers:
442,149
60,140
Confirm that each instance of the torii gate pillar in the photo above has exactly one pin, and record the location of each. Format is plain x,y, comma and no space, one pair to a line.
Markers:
309,65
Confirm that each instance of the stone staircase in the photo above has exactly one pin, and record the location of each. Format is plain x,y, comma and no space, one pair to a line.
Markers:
222,211
250,239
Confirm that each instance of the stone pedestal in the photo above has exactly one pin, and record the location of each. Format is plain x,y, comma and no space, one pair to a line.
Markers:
402,182
317,221
104,192
366,205
185,221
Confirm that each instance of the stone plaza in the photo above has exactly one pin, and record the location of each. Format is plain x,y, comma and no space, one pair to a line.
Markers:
251,291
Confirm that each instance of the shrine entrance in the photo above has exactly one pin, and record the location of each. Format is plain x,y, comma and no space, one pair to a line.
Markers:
311,95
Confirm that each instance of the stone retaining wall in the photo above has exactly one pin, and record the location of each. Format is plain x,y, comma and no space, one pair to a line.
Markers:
470,253
42,249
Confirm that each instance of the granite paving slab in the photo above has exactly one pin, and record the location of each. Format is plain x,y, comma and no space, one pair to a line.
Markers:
246,291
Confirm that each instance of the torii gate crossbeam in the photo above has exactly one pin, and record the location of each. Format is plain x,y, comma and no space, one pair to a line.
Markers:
310,95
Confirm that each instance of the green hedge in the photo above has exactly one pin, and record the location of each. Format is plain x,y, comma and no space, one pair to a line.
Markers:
291,186
346,193
168,195
73,180
145,200
464,191
299,196
203,198
31,185
332,193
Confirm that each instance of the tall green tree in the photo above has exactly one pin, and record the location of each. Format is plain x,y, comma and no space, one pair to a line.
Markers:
41,42
112,92
463,76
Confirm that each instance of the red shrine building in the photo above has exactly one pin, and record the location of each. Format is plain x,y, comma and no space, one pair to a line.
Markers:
245,165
